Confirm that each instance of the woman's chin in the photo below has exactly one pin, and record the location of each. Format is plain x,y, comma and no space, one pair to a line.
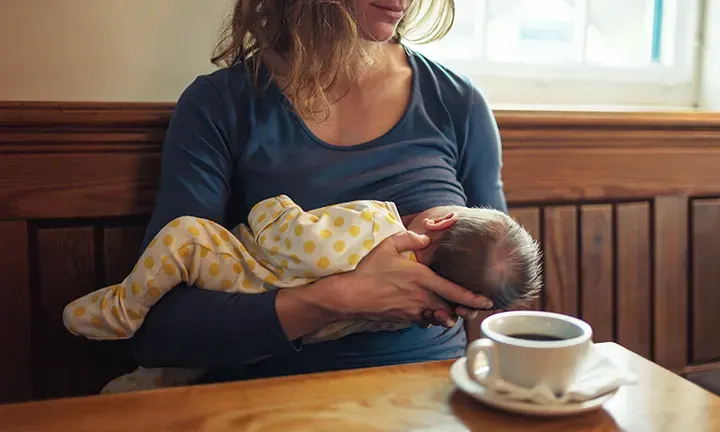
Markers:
380,32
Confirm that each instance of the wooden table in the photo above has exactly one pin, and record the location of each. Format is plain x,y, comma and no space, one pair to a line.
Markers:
410,397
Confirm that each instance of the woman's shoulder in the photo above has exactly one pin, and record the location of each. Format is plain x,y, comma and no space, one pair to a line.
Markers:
435,78
215,106
223,85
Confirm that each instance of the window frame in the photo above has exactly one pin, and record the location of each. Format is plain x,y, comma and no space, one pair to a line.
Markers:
585,84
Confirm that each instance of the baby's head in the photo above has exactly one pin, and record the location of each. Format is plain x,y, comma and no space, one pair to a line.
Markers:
483,250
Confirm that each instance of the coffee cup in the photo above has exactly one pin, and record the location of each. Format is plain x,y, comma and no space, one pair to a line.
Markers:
530,348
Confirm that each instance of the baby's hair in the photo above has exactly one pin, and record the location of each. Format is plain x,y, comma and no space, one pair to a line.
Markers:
489,253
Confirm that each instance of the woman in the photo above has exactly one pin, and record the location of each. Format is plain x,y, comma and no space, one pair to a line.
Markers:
323,103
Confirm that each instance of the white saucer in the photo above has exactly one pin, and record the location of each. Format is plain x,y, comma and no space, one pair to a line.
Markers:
459,375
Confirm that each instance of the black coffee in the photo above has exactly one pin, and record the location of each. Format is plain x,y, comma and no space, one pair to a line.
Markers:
535,337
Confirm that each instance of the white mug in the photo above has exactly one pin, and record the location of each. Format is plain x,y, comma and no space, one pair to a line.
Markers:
515,355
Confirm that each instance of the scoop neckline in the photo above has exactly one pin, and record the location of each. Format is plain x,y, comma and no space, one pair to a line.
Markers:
367,144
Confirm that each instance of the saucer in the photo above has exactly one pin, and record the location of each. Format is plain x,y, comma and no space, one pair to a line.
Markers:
459,375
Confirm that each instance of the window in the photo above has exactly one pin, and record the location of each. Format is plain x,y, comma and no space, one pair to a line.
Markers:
590,52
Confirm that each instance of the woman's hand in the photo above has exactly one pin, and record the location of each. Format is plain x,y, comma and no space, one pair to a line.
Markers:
386,286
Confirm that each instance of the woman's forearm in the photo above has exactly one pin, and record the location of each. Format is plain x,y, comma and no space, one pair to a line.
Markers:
304,310
191,327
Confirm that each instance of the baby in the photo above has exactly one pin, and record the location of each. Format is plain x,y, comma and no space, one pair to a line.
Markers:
284,246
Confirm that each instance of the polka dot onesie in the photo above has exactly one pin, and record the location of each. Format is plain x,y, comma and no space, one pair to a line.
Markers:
284,247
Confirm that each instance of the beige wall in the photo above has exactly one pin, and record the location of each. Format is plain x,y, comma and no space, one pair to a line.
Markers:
105,50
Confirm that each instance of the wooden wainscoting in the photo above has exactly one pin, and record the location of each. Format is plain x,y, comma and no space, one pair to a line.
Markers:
626,207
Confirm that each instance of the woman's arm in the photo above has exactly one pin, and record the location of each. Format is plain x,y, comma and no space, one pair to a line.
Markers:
191,327
480,156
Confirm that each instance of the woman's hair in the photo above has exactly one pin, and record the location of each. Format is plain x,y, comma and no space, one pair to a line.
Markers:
316,41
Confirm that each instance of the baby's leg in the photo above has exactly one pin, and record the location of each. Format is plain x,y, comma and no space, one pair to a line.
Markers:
188,249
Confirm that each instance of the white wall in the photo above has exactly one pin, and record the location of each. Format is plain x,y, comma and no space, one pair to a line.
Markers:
105,50
710,90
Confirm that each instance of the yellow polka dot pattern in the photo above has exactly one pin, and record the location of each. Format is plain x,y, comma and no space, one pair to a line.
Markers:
339,246
325,241
353,259
309,247
184,251
270,279
293,246
169,269
323,263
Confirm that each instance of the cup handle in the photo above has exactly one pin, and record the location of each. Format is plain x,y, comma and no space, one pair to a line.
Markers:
486,347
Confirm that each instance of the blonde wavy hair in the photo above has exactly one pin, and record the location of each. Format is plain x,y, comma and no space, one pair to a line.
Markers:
316,41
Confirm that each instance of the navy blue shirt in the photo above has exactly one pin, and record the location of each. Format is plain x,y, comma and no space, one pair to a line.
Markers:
229,146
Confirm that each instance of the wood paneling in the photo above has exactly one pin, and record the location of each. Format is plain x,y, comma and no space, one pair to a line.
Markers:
67,271
599,173
16,374
561,259
70,185
77,182
121,249
705,280
530,219
671,273
70,264
633,290
79,160
602,156
597,300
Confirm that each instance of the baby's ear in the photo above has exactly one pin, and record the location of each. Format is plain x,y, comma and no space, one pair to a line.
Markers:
441,223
